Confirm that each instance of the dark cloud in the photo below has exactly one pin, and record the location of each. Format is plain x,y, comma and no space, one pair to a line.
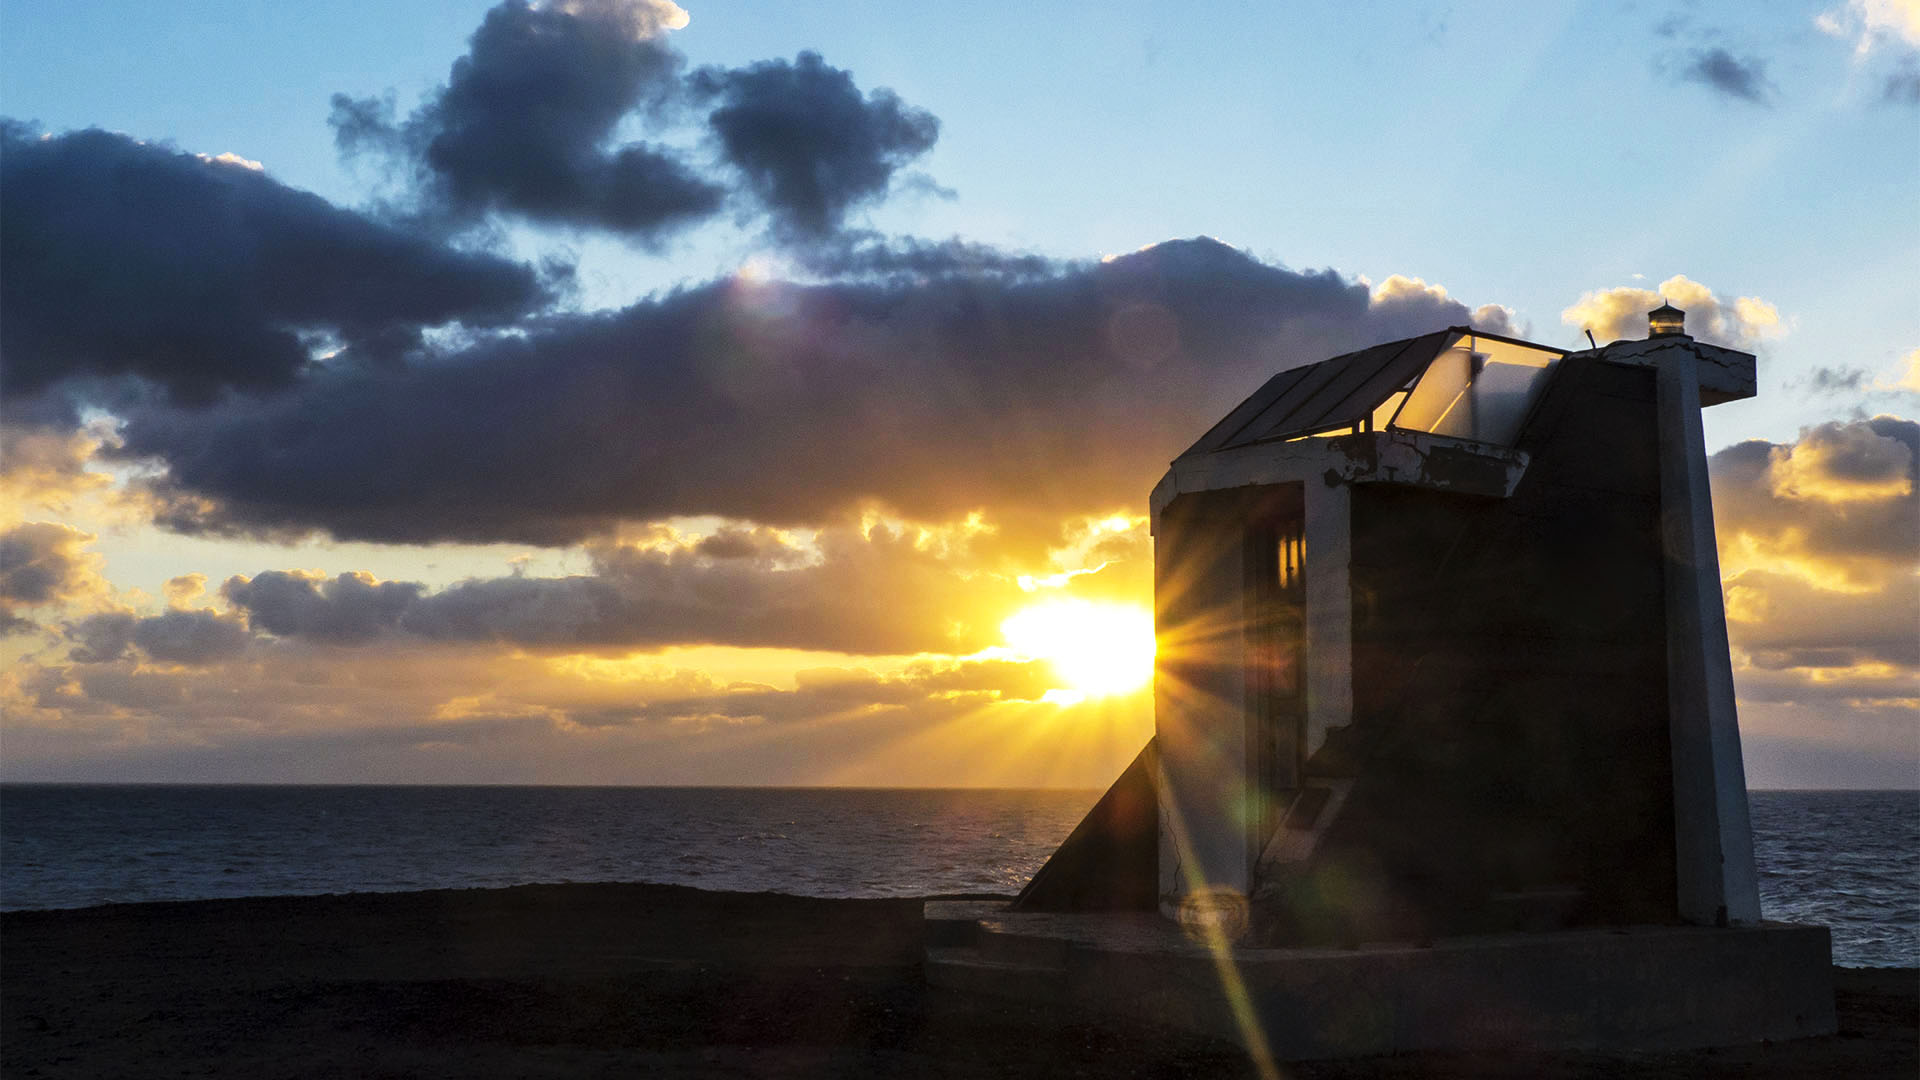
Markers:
779,403
810,146
124,257
41,562
205,274
348,609
1745,79
175,637
529,123
100,639
733,542
526,121
1878,453
1903,84
1839,380
862,254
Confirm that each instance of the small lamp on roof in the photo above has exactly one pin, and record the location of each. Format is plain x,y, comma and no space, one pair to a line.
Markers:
1666,321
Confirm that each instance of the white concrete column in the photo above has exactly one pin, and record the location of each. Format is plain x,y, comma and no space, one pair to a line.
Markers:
1712,836
1329,542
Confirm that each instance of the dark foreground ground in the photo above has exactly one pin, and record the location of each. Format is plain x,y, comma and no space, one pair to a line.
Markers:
640,980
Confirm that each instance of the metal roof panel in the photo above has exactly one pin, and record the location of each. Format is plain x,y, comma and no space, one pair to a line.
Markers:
1241,414
1331,393
1347,398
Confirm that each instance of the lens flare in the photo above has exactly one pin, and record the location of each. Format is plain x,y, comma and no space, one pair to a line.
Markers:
1097,649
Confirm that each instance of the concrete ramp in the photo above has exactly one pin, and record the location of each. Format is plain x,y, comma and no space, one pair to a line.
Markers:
1111,860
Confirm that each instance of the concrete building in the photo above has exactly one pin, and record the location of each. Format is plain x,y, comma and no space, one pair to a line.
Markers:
1443,658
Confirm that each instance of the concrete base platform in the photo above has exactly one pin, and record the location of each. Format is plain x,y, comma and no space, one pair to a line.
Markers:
1619,989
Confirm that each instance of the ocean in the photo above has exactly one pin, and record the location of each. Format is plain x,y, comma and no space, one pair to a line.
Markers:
1843,859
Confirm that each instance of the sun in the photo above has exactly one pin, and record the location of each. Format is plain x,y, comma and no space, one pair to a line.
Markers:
1098,649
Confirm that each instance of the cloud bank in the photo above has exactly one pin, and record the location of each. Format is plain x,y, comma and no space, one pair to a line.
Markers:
878,590
808,144
1820,559
42,564
130,258
525,123
775,402
529,124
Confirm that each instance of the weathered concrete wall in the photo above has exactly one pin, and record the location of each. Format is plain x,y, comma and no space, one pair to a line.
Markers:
1509,744
1413,458
1204,510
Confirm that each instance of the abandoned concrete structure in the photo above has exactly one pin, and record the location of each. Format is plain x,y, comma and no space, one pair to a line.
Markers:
1442,659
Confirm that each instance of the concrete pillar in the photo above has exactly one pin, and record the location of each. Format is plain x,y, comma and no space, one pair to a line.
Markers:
1713,840
1329,542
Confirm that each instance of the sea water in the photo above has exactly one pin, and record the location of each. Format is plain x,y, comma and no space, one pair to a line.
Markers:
1846,860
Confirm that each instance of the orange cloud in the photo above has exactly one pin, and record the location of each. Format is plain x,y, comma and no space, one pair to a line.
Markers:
1842,463
1836,508
1820,552
296,710
45,468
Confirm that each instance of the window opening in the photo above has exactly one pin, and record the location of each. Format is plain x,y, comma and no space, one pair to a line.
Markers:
1383,415
1277,664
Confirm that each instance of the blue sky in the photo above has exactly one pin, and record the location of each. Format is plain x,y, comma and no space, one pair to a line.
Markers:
1539,157
1519,156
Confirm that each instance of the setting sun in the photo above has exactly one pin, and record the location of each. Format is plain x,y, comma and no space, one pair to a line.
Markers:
1097,649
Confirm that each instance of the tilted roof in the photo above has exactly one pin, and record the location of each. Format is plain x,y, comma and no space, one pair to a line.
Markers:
1331,393
1334,393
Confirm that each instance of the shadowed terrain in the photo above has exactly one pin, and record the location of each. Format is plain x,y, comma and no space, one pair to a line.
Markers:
593,980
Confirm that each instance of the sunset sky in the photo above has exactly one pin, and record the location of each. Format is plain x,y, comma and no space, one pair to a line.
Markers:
600,392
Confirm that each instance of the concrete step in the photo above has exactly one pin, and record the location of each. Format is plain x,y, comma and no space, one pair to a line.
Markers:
1001,945
957,922
964,969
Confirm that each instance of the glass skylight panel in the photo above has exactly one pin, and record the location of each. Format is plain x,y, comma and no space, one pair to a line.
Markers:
1478,389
